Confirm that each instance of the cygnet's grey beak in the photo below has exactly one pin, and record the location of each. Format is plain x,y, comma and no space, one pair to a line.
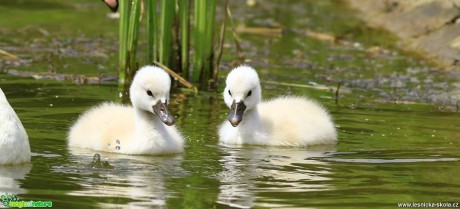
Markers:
162,111
236,113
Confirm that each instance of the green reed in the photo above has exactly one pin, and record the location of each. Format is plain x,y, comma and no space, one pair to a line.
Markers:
123,8
152,39
184,13
168,38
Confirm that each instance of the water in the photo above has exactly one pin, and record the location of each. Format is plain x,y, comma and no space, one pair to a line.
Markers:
398,141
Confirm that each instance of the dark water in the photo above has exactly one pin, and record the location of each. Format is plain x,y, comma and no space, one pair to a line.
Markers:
396,118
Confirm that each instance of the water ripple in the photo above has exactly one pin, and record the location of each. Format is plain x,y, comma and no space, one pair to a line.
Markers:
377,161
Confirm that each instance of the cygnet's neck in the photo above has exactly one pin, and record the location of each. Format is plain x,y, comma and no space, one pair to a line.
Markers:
146,121
251,120
147,129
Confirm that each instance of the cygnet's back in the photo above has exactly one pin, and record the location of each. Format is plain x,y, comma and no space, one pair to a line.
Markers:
296,121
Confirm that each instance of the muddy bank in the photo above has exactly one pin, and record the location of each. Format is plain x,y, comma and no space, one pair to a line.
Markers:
431,27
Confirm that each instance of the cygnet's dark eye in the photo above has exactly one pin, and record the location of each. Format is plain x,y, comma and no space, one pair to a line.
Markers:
149,93
249,93
229,92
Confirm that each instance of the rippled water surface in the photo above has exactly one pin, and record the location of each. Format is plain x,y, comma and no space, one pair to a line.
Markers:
396,117
385,156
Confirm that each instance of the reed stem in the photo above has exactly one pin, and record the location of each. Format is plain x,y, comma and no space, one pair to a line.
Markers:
208,46
213,82
184,11
151,30
199,37
166,25
123,8
236,38
133,34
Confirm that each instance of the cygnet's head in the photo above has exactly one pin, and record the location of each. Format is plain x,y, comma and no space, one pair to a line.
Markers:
242,92
150,92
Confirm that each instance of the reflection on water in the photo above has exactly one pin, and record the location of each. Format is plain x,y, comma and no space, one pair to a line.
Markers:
10,176
407,160
138,180
250,170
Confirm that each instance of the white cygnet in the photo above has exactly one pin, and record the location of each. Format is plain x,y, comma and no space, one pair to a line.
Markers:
145,128
283,121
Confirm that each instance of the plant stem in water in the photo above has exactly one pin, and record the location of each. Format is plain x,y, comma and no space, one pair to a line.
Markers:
123,9
151,30
166,25
184,12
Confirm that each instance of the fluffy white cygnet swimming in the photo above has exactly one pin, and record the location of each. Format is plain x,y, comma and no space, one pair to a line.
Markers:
145,128
14,142
283,121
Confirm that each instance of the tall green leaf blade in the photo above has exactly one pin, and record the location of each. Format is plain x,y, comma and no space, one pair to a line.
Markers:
151,30
166,25
184,13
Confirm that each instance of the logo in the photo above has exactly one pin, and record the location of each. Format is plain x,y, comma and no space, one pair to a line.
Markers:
13,201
